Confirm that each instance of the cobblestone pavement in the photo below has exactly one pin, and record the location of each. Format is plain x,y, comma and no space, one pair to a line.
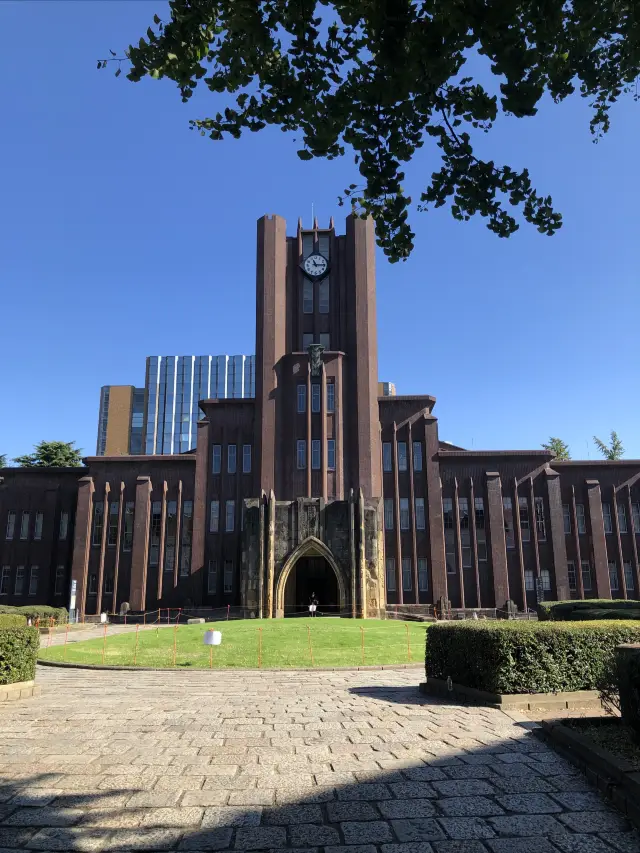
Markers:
356,761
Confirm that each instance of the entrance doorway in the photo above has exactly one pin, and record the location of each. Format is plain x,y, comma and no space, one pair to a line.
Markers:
311,575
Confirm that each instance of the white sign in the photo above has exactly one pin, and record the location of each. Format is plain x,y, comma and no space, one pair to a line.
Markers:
212,638
103,618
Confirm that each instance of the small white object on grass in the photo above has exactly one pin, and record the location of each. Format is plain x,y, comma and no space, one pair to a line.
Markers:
212,638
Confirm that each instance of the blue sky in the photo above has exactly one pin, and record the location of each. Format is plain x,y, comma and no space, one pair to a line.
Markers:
124,234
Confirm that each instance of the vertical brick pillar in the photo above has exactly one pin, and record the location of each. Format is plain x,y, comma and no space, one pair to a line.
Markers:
434,500
140,550
498,542
200,509
598,541
82,541
558,543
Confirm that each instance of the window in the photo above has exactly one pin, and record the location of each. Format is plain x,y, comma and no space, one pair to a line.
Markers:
628,576
450,555
154,533
420,519
228,577
571,571
212,577
315,397
613,577
388,513
307,297
108,584
509,535
423,575
525,526
540,525
582,526
323,296
635,514
112,535
606,516
331,454
402,456
315,454
127,540
307,244
479,509
463,511
37,527
230,516
586,575
391,574
19,587
302,398
217,458
64,525
98,522
622,518
246,458
231,458
301,453
466,558
307,340
406,574
417,456
187,538
170,536
24,526
11,524
447,513
33,580
482,552
5,579
404,513
331,397
566,517
529,583
545,578
214,517
93,584
386,457
325,341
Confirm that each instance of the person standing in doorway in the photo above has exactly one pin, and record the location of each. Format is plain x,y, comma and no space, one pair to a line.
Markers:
313,604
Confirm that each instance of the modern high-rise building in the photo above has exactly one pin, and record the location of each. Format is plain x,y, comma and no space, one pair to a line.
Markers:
120,420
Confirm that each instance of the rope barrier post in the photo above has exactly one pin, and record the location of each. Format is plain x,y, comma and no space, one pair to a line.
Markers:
259,648
104,641
228,609
135,650
362,642
144,618
50,631
310,646
168,615
66,635
408,642
210,657
175,642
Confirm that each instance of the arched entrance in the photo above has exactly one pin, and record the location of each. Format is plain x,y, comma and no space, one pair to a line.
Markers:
310,568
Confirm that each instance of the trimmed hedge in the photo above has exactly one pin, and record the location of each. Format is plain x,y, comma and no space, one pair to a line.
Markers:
18,653
33,611
588,609
12,620
525,657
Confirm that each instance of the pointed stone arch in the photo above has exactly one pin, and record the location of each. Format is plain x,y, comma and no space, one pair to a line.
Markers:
311,547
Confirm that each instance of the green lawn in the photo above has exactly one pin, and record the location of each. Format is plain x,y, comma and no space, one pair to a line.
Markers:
285,643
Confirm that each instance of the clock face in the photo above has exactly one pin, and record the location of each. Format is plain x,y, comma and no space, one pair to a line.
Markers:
315,265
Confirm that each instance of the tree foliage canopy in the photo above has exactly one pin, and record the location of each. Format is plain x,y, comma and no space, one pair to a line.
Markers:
52,454
558,447
384,77
3,460
613,450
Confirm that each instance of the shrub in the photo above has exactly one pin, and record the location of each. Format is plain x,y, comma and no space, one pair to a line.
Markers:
628,672
526,657
12,620
18,653
35,611
588,609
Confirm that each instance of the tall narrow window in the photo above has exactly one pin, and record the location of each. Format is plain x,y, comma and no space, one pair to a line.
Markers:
386,456
481,551
582,525
246,458
38,524
112,534
509,535
325,341
529,582
214,517
423,575
301,453
566,517
63,530
402,456
420,518
463,511
33,580
525,526
24,526
187,538
613,577
307,297
230,516
19,587
391,574
228,577
307,340
628,576
93,584
586,575
466,558
331,454
98,522
212,577
388,513
404,513
11,524
323,296
108,583
606,517
170,536
302,398
447,513
231,458
635,515
479,510
154,533
622,518
5,580
545,577
541,527
217,458
406,574
315,397
571,571
127,539
331,397
315,454
417,456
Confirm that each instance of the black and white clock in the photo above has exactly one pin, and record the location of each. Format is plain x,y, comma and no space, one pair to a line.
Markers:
315,266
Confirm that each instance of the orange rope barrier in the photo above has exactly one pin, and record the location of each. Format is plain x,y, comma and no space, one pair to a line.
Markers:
310,646
135,651
408,643
259,648
175,639
104,641
362,643
66,636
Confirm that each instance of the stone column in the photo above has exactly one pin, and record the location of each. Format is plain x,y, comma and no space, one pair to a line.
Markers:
82,541
558,542
271,554
114,603
200,515
261,557
103,546
599,543
498,542
140,551
163,524
434,501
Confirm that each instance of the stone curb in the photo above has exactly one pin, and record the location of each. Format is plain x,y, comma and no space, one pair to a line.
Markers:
97,666
617,779
579,699
19,690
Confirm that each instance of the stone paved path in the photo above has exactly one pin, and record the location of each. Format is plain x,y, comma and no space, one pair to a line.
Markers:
356,761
